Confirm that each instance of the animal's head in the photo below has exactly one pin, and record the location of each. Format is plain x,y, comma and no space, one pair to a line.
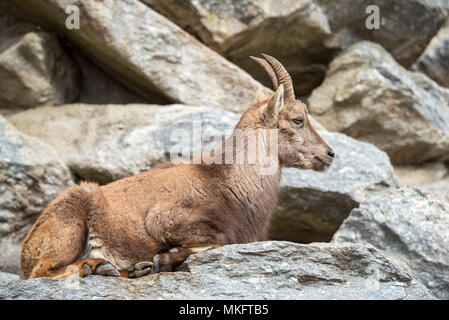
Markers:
299,144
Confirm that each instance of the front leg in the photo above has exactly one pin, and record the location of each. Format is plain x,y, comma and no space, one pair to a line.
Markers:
186,234
168,261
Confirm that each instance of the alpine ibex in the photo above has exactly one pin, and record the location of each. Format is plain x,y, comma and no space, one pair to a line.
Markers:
153,221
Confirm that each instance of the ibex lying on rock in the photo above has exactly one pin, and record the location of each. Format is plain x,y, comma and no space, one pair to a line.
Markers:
153,221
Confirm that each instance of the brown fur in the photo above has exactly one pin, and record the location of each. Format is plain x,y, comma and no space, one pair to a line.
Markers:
183,207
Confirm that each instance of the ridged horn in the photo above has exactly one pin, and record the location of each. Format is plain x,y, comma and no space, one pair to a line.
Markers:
268,69
282,77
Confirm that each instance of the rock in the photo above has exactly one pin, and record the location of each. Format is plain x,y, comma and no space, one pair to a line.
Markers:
313,205
31,175
432,177
439,189
5,276
434,61
34,68
421,175
368,96
295,32
97,87
89,136
149,53
411,229
261,270
304,35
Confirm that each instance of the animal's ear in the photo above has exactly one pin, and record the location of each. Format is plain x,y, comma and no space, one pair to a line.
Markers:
276,102
262,94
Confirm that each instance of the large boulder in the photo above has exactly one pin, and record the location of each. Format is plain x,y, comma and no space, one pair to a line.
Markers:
34,68
260,270
148,52
411,229
439,189
434,61
98,87
305,35
432,177
108,142
313,205
421,175
5,276
31,175
368,96
311,208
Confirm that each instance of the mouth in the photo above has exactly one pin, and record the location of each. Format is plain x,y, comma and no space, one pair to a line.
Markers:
321,165
323,161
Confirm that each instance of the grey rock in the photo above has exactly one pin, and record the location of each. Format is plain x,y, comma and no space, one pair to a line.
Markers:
368,96
411,229
97,87
305,35
261,270
5,276
295,32
434,61
439,189
108,142
421,175
313,205
31,175
149,53
34,68
431,177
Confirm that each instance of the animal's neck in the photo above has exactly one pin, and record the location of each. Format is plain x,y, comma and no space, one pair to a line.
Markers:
252,186
250,154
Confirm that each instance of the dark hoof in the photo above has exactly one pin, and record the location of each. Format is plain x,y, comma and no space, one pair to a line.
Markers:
157,266
140,269
107,269
86,270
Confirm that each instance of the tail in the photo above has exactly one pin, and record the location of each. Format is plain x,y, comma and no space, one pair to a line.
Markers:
97,202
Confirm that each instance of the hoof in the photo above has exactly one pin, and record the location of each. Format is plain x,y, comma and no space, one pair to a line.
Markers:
157,264
140,269
86,270
107,269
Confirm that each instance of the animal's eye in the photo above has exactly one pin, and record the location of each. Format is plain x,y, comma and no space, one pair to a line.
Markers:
298,120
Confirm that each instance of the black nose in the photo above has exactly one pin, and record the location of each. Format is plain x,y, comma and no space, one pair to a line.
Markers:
331,154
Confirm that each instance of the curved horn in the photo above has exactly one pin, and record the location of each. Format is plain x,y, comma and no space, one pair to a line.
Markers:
268,69
282,76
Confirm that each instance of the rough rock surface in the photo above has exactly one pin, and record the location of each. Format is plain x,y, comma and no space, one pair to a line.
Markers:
313,205
304,35
31,175
439,189
34,68
149,53
368,96
421,175
434,61
432,177
411,229
89,136
261,270
97,87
